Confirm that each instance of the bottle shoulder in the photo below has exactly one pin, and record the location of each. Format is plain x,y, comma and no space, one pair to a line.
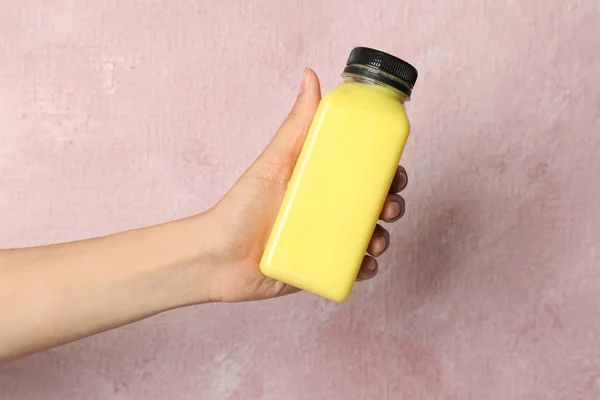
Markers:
362,94
368,99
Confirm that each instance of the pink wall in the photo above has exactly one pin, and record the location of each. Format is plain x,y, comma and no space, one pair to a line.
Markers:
118,114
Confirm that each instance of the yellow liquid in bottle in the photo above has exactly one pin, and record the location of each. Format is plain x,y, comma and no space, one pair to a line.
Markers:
337,189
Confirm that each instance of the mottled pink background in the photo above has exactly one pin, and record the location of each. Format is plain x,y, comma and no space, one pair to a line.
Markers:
120,114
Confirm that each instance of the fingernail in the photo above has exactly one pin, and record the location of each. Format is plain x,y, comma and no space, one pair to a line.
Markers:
304,81
394,210
372,265
381,245
387,245
403,180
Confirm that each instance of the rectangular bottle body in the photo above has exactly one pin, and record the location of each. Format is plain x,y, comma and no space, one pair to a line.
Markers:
337,190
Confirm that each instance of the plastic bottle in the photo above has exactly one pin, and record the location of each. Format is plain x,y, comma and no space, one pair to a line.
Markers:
342,177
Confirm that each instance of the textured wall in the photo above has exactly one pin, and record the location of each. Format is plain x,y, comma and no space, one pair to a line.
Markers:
118,114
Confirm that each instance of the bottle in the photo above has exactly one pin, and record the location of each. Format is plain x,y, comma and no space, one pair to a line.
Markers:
342,177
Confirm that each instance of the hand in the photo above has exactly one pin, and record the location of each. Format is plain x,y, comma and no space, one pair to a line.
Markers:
77,289
241,222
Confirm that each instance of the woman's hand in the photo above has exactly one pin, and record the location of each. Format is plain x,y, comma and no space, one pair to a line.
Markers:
240,223
51,295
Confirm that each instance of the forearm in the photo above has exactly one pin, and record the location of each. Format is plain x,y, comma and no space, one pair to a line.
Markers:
55,294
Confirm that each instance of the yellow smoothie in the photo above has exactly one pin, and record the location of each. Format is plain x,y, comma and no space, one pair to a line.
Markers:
338,187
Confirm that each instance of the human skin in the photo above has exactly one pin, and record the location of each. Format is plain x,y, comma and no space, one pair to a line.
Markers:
52,295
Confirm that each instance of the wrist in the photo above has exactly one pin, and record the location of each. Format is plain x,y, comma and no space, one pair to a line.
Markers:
208,258
186,267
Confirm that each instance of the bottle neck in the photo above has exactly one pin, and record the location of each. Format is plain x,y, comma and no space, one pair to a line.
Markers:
386,89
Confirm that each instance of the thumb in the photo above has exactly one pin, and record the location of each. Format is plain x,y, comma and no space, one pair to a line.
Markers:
281,154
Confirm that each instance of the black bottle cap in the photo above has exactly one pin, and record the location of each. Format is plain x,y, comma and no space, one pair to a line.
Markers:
382,65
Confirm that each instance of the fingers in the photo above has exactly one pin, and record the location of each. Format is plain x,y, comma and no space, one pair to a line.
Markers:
289,139
393,208
379,243
276,163
400,180
287,289
368,269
